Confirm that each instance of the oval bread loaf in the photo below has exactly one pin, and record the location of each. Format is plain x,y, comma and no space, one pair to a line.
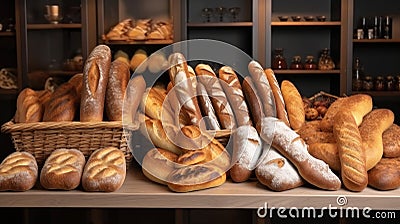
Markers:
294,104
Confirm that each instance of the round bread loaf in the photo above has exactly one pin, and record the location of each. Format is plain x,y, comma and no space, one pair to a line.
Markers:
391,141
385,175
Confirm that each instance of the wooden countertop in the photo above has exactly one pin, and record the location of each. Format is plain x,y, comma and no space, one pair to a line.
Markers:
139,192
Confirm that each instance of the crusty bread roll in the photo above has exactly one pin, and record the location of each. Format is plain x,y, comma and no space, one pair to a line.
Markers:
192,157
277,173
281,112
105,170
254,102
44,96
195,177
385,175
18,172
29,107
290,145
352,158
77,81
294,104
264,90
247,149
359,105
207,109
221,105
63,104
183,87
371,130
133,96
155,131
311,133
327,152
138,62
62,170
95,78
391,141
158,163
116,87
233,90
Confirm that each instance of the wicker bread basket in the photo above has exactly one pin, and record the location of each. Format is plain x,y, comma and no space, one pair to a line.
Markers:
41,138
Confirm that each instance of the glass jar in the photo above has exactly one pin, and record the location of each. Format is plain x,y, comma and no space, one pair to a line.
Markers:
310,63
357,79
325,61
379,83
389,83
296,63
397,83
368,83
279,61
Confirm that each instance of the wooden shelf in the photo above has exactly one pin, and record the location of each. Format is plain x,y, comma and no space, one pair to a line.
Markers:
7,34
303,72
139,192
305,23
54,26
133,42
394,40
8,91
222,24
380,93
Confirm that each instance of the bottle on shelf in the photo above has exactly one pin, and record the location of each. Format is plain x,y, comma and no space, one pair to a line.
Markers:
279,61
379,83
387,28
325,61
364,27
296,63
368,83
389,83
358,73
310,63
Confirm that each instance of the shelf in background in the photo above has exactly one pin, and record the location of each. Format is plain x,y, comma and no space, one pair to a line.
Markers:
302,72
301,23
380,93
54,26
394,40
133,42
138,192
8,91
7,34
221,24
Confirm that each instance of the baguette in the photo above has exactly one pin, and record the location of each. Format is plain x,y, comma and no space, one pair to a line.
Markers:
352,157
105,170
18,172
62,170
292,147
158,164
254,102
207,108
371,131
294,105
133,96
217,95
116,87
95,78
233,90
29,107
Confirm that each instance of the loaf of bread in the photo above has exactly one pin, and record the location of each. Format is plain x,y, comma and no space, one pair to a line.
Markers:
276,172
371,130
391,141
359,105
63,104
116,87
247,149
385,175
253,101
221,105
183,87
311,133
18,172
77,81
207,109
192,157
233,91
105,170
133,96
156,131
152,102
29,107
281,112
63,169
327,152
292,147
352,158
44,96
95,77
264,90
294,104
172,107
195,177
157,164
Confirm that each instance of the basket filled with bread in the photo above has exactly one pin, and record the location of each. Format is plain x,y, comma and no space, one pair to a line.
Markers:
84,113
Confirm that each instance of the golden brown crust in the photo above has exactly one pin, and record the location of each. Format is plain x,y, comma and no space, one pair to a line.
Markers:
207,108
311,133
105,170
95,78
18,172
253,100
352,157
294,104
157,164
385,175
29,107
62,170
327,152
133,96
371,130
391,141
